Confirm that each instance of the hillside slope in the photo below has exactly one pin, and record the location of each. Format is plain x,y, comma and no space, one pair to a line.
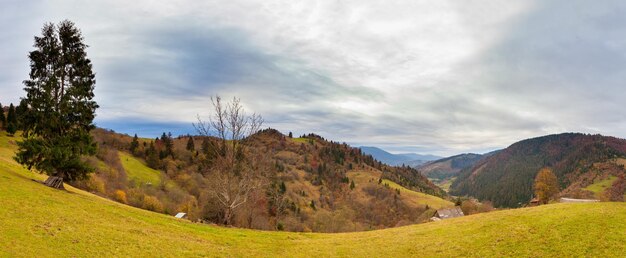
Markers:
450,166
43,222
506,178
313,174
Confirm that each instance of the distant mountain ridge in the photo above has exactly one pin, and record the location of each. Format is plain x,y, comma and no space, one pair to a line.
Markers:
449,167
409,159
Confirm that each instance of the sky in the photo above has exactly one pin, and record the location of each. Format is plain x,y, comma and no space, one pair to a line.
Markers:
439,77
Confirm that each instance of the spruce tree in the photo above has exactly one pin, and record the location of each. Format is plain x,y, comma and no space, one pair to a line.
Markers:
169,146
152,158
61,109
190,145
11,127
11,119
134,144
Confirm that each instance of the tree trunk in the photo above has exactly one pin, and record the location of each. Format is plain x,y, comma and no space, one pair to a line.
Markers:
54,182
227,216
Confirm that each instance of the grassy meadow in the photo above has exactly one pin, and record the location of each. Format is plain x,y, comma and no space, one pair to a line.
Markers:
138,171
38,221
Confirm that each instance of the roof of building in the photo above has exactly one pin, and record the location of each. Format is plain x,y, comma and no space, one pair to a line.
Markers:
449,213
578,200
181,215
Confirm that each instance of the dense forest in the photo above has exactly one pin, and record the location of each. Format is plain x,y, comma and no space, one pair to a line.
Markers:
506,178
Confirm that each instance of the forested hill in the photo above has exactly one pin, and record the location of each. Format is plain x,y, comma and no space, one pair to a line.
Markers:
506,178
302,183
450,166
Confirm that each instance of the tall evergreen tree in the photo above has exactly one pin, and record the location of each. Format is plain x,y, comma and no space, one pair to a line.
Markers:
190,145
152,158
134,144
59,97
11,114
11,127
169,146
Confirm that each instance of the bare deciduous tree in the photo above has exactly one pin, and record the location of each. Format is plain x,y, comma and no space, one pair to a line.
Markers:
234,175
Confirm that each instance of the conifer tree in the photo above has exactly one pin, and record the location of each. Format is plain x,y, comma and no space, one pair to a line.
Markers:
11,127
190,145
169,146
134,144
59,97
152,158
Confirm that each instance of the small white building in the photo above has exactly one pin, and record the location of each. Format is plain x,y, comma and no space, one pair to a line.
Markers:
447,213
181,215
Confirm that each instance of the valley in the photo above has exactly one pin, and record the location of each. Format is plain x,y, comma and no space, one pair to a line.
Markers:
41,221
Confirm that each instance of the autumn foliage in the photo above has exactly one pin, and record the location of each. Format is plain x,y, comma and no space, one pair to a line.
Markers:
546,185
615,193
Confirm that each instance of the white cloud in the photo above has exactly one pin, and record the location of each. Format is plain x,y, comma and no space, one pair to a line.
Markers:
431,76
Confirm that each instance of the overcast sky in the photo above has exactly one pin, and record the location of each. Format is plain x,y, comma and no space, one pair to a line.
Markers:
439,77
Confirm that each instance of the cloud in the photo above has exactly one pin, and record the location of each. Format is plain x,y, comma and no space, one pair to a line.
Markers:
434,77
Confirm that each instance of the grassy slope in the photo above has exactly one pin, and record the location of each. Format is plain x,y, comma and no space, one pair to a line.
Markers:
39,221
138,171
362,178
421,198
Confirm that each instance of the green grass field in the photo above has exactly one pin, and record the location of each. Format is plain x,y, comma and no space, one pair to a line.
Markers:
362,178
300,140
138,171
37,221
420,198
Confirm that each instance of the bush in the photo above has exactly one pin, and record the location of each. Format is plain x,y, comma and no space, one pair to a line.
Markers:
152,203
120,196
96,184
469,207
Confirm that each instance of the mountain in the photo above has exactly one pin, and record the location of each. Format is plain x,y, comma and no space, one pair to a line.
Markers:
301,183
409,159
448,167
578,160
41,221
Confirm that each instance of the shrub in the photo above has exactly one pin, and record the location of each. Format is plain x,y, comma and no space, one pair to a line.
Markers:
96,184
152,203
120,196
